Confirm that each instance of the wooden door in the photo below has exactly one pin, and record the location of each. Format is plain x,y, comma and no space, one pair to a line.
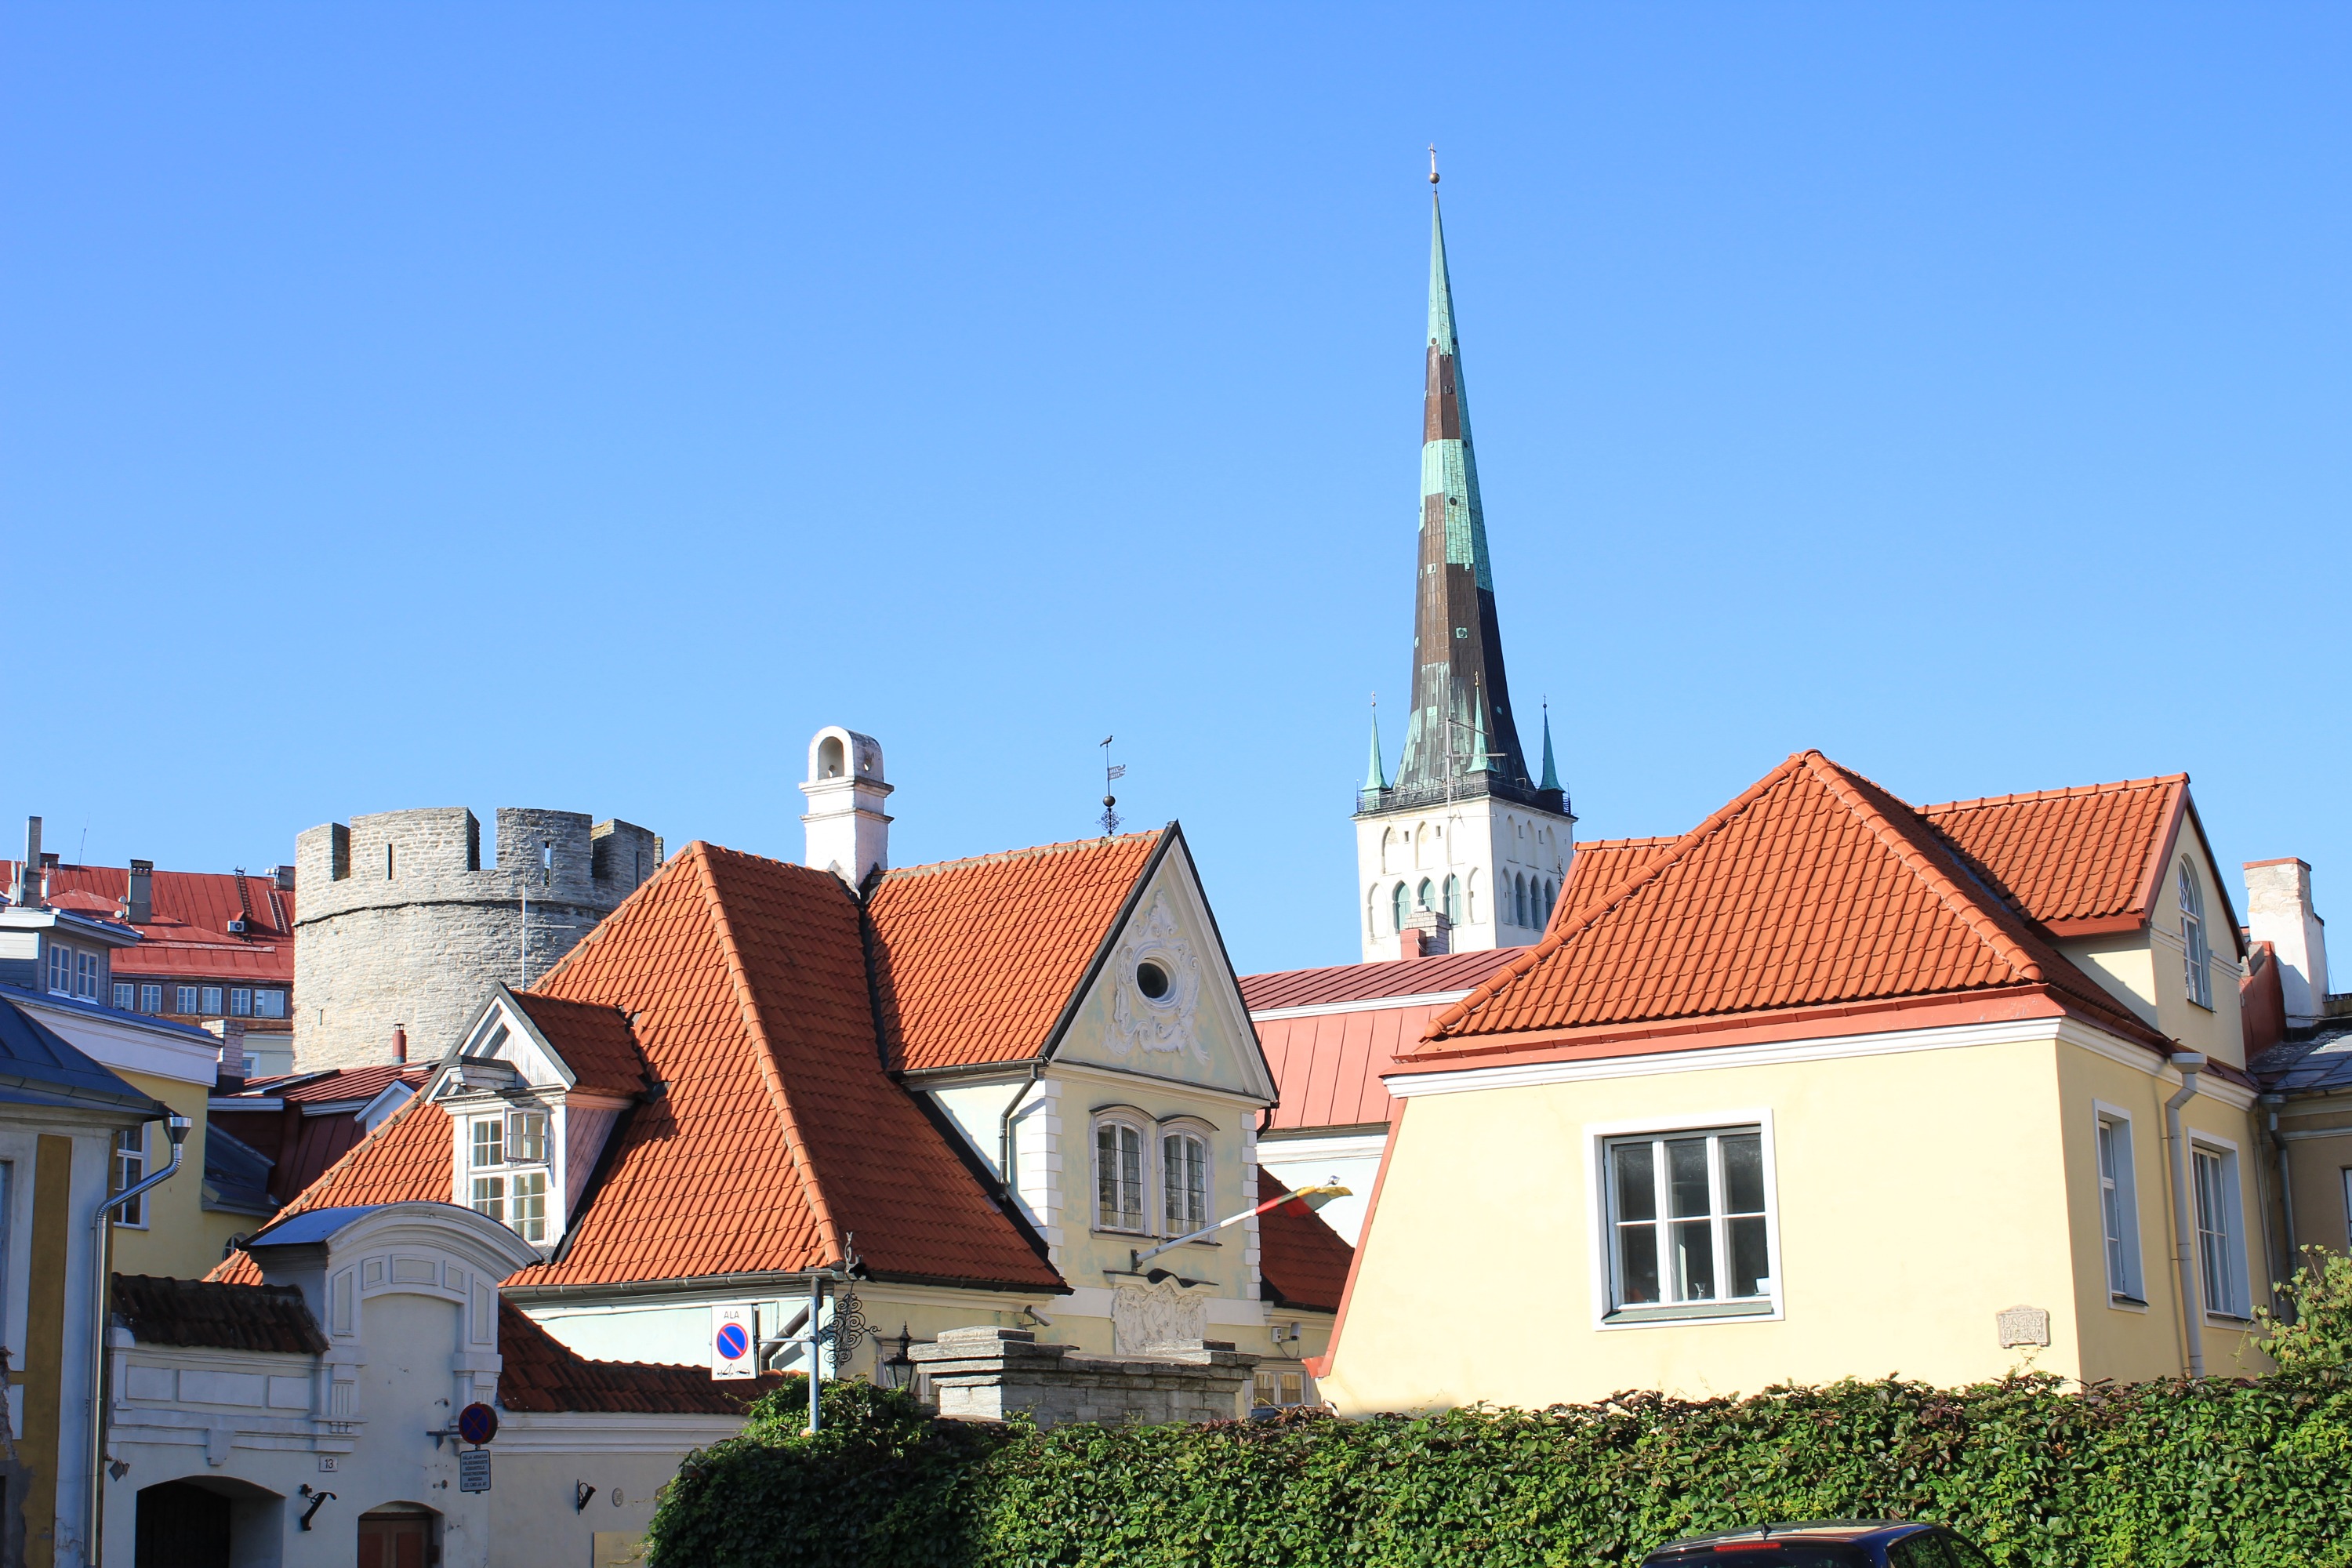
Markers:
394,1543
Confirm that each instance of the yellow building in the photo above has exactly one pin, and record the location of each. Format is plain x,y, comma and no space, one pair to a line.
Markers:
2303,1038
1834,1086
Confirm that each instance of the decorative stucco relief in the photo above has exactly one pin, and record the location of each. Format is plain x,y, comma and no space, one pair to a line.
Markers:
1162,1023
1160,1317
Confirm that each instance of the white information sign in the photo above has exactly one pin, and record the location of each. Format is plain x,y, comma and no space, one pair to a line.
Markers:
734,1342
474,1471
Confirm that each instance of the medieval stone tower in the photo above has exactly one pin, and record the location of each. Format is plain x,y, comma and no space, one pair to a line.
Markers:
401,928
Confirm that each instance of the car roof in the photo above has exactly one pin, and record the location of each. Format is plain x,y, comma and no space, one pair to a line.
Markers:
1855,1532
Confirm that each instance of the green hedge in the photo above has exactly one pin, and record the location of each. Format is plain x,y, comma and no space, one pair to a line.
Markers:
2152,1476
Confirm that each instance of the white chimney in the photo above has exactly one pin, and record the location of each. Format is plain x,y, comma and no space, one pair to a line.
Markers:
848,833
2279,911
27,893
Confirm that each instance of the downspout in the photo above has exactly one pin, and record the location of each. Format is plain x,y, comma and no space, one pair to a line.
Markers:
2286,1189
1005,1168
2184,1216
175,1128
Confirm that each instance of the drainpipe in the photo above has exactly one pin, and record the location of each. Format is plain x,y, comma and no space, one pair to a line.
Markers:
175,1128
2184,1216
1005,1133
2286,1181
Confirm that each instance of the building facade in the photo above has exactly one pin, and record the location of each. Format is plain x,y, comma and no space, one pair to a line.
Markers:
402,928
1468,846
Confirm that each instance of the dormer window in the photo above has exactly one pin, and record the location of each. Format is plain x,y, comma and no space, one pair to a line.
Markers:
510,1171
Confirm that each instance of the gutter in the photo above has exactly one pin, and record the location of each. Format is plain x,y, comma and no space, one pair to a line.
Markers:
2184,1220
175,1128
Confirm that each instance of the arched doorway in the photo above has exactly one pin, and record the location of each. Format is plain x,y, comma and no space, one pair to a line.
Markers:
209,1521
397,1535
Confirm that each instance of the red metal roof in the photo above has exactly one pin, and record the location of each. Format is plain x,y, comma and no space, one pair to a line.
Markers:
1343,983
1302,1262
189,937
975,960
1814,888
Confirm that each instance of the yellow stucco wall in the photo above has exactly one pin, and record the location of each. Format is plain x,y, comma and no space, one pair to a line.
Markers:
179,1238
2318,1161
1918,1194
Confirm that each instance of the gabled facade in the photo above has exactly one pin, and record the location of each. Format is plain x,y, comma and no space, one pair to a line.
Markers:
1819,1090
974,1089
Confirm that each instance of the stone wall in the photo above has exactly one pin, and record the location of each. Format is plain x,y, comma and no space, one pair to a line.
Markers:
400,925
987,1373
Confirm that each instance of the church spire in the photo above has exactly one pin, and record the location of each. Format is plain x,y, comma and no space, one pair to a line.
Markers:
1461,724
1376,776
1550,779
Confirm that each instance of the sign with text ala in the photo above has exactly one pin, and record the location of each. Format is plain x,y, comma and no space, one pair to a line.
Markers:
732,1342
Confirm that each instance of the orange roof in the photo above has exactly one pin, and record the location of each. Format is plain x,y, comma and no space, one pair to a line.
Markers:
592,1040
777,1134
975,961
1814,888
2082,861
1302,1262
1329,1062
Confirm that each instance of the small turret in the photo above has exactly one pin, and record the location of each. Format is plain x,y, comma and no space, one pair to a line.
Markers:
848,832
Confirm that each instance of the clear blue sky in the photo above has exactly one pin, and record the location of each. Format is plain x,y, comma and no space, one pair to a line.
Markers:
577,406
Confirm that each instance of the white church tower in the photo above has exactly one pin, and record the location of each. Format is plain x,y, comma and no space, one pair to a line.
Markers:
1469,846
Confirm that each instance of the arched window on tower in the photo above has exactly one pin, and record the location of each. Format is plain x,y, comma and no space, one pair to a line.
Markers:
1471,894
1453,899
1398,908
1551,898
1425,895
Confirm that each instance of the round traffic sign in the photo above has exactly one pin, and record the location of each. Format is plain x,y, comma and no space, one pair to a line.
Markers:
477,1424
734,1341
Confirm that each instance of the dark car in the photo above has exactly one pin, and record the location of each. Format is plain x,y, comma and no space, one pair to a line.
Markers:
1824,1544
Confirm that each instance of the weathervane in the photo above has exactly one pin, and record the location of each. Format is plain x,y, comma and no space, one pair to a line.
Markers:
1112,773
1432,163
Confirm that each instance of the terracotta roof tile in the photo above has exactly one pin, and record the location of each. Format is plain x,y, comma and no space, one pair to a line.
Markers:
1814,886
256,1317
593,1041
1302,1262
2071,856
778,1133
976,959
537,1371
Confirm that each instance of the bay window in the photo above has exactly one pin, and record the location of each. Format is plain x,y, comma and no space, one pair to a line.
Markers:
1689,1226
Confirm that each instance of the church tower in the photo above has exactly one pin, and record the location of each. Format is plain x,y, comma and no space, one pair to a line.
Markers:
1468,846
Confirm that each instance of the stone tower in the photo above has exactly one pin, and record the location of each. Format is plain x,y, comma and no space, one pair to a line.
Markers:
400,926
1468,847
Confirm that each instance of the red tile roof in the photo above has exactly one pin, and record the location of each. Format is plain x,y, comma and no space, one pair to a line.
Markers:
189,937
976,960
330,1088
777,1134
593,1041
1329,1064
537,1371
256,1317
280,1118
2083,861
1814,888
1302,1262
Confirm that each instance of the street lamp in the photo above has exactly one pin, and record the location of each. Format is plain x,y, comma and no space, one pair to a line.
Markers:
898,1370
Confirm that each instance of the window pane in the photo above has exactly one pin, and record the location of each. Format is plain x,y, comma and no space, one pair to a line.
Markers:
1262,1389
212,1002
186,1002
150,998
529,1205
1686,1177
1637,1265
1748,1266
1743,1172
1694,1243
125,995
1294,1388
86,981
240,1002
1637,1189
527,1137
1131,1178
489,1140
270,1003
490,1198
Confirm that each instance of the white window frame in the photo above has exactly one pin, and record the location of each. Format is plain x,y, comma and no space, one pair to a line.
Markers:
126,1167
184,995
276,998
150,991
240,1002
500,1181
1601,1226
2127,1285
2195,955
60,977
89,974
209,999
2232,1268
126,996
1147,1169
1204,1135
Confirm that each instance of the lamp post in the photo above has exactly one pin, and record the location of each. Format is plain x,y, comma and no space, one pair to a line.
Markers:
898,1372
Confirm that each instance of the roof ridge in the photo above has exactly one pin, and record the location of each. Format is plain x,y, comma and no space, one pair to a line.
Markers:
770,1075
1062,847
1581,919
1954,896
1658,840
2026,797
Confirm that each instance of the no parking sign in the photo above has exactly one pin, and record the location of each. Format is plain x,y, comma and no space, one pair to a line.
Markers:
732,1342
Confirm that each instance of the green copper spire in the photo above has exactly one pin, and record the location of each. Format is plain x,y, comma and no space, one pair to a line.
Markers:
1376,776
1550,772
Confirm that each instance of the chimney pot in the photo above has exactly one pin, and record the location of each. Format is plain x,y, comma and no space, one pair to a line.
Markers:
26,893
848,831
400,1045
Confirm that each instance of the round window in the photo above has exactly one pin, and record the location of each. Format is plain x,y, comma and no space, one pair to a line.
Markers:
1151,980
